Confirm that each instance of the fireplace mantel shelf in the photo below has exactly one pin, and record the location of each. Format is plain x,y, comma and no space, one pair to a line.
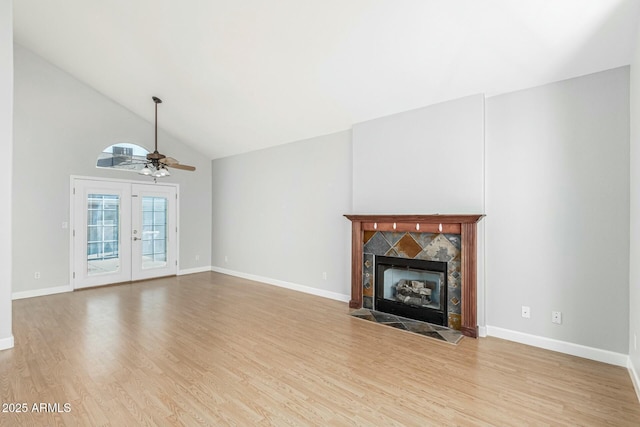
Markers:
465,225
411,218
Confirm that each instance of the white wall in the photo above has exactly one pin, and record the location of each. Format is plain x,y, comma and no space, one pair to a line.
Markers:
634,232
6,146
557,198
428,160
60,127
277,214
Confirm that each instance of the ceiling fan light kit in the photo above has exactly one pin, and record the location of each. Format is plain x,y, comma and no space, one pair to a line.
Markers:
156,165
162,171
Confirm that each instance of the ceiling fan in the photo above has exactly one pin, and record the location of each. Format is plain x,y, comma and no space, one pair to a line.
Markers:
157,163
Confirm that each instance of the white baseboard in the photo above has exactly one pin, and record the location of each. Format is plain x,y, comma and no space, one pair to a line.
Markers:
579,350
634,377
194,270
42,292
6,343
283,284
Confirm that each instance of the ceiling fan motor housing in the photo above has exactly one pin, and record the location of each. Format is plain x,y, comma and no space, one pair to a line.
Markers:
155,156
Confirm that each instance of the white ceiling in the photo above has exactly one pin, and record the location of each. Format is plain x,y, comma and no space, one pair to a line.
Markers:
240,75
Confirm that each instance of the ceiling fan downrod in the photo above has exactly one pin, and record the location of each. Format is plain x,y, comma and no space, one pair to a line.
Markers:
157,164
155,157
157,101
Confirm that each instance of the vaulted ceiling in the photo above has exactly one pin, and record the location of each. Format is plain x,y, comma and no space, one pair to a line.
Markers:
240,75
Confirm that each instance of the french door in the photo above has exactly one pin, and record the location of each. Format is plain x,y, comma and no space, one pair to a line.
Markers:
122,232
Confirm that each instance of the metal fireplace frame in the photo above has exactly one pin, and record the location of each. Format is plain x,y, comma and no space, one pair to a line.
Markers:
431,315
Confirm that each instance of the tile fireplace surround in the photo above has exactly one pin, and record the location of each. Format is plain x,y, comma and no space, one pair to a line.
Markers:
420,227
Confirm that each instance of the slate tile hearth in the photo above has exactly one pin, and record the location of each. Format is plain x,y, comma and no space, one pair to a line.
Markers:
441,333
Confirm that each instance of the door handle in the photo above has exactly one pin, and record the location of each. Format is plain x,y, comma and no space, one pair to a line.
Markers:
135,238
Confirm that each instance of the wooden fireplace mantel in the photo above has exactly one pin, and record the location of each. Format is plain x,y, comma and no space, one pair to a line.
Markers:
465,225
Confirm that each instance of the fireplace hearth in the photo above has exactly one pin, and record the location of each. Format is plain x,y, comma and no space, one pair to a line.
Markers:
412,288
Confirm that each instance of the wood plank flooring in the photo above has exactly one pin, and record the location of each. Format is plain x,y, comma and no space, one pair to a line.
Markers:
210,349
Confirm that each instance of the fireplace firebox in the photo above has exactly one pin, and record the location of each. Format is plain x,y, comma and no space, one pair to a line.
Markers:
412,288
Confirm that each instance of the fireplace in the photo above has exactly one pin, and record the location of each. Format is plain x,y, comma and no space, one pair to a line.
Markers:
450,239
412,288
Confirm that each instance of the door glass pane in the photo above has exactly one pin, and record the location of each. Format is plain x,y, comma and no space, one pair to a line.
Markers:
103,233
154,232
147,216
159,231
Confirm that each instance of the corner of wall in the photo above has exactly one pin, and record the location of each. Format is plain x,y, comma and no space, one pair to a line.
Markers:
634,212
6,173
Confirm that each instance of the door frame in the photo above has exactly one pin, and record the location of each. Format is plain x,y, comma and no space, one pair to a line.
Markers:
73,178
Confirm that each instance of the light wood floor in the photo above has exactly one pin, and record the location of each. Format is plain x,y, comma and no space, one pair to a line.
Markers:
210,349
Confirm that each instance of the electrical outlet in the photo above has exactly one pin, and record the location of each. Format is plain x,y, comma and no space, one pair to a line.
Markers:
197,257
526,312
324,275
226,258
36,275
556,317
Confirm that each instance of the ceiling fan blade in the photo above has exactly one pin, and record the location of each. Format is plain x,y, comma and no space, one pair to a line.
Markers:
183,167
169,161
173,163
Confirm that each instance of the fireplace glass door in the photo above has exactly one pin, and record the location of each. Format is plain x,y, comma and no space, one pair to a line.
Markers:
412,288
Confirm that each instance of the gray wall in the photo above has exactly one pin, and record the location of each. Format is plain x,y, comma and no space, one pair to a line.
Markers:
557,197
6,145
60,127
277,213
634,253
428,160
